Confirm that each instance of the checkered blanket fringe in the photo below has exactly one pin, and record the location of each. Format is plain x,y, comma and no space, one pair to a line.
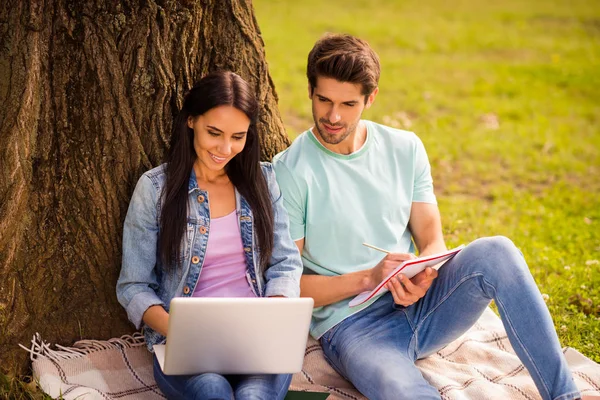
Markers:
481,364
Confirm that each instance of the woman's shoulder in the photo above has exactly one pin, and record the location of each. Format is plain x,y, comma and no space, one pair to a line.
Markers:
156,171
266,167
153,180
269,174
157,174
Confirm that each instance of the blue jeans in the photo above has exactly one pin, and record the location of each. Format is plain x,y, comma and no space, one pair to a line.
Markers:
211,386
376,348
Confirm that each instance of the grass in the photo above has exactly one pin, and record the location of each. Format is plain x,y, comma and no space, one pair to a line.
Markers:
12,388
506,97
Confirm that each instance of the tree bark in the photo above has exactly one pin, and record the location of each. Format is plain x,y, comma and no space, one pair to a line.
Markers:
88,92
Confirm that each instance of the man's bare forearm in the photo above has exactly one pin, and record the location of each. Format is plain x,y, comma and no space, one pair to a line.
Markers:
435,246
327,290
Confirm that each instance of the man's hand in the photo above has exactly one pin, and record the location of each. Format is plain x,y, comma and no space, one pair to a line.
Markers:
384,267
408,291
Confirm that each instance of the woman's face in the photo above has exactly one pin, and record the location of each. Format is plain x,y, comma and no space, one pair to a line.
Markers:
219,135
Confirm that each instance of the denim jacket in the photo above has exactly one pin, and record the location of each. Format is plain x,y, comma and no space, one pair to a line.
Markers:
145,282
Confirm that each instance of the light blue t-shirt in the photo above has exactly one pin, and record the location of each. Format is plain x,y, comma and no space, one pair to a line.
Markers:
336,202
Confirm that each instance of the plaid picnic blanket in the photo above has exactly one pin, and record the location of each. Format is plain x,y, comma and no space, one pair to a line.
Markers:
481,364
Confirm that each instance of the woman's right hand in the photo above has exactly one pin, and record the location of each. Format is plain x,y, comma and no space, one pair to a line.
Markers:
157,318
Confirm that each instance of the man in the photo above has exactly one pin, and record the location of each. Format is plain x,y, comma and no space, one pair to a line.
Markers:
347,181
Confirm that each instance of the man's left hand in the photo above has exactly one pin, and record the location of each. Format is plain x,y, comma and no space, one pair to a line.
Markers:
408,291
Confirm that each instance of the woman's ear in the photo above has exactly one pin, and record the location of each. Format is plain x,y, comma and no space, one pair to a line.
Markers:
190,122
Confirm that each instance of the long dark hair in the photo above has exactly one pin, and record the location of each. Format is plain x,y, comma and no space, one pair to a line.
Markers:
214,90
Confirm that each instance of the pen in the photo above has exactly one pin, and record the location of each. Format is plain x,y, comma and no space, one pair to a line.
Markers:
376,248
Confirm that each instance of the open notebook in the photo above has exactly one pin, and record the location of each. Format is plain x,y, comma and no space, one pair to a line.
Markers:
409,268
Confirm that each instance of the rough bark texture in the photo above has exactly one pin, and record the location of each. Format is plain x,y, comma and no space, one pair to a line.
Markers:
88,91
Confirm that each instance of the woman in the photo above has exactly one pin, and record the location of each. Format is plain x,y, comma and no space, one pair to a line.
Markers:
210,222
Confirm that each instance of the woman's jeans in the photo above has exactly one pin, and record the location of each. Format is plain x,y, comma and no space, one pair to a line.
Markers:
222,387
376,348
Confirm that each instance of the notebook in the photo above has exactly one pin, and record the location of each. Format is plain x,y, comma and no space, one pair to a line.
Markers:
235,335
409,268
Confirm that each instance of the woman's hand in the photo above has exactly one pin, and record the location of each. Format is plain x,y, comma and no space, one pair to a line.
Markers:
157,318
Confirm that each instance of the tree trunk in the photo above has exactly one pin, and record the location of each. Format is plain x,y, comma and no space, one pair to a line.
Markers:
88,91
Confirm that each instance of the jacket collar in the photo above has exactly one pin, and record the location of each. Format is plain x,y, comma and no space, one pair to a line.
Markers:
193,183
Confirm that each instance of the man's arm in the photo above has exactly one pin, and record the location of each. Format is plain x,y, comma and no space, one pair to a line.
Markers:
327,290
426,228
425,225
330,289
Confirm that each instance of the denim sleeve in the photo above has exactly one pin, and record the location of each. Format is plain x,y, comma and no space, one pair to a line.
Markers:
285,265
138,284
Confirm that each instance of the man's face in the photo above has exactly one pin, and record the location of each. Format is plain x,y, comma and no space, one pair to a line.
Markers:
337,108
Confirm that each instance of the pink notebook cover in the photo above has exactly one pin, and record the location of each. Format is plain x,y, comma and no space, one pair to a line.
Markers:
409,268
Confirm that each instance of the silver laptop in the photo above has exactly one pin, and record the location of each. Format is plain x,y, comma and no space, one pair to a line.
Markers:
235,335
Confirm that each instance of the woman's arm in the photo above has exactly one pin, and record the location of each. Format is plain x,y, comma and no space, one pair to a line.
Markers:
157,318
285,265
137,284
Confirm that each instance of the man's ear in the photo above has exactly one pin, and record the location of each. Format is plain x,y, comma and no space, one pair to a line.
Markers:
371,97
310,91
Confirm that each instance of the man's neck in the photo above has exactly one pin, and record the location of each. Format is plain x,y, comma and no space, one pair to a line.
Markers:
351,144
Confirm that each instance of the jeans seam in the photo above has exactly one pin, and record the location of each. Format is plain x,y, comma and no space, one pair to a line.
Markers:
569,396
510,325
415,336
329,334
442,300
412,326
332,364
285,387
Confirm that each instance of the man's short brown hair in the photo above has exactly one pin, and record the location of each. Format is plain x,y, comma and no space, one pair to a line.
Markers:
344,58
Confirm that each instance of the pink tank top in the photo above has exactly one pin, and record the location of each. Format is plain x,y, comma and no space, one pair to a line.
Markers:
223,272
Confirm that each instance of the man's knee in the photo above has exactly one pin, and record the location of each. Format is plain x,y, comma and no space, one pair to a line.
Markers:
498,256
494,246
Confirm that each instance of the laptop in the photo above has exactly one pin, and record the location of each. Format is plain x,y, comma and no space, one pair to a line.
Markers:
235,335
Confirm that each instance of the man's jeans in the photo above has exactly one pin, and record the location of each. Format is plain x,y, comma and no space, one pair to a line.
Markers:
376,348
221,387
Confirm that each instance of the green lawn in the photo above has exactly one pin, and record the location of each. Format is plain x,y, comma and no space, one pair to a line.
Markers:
506,98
